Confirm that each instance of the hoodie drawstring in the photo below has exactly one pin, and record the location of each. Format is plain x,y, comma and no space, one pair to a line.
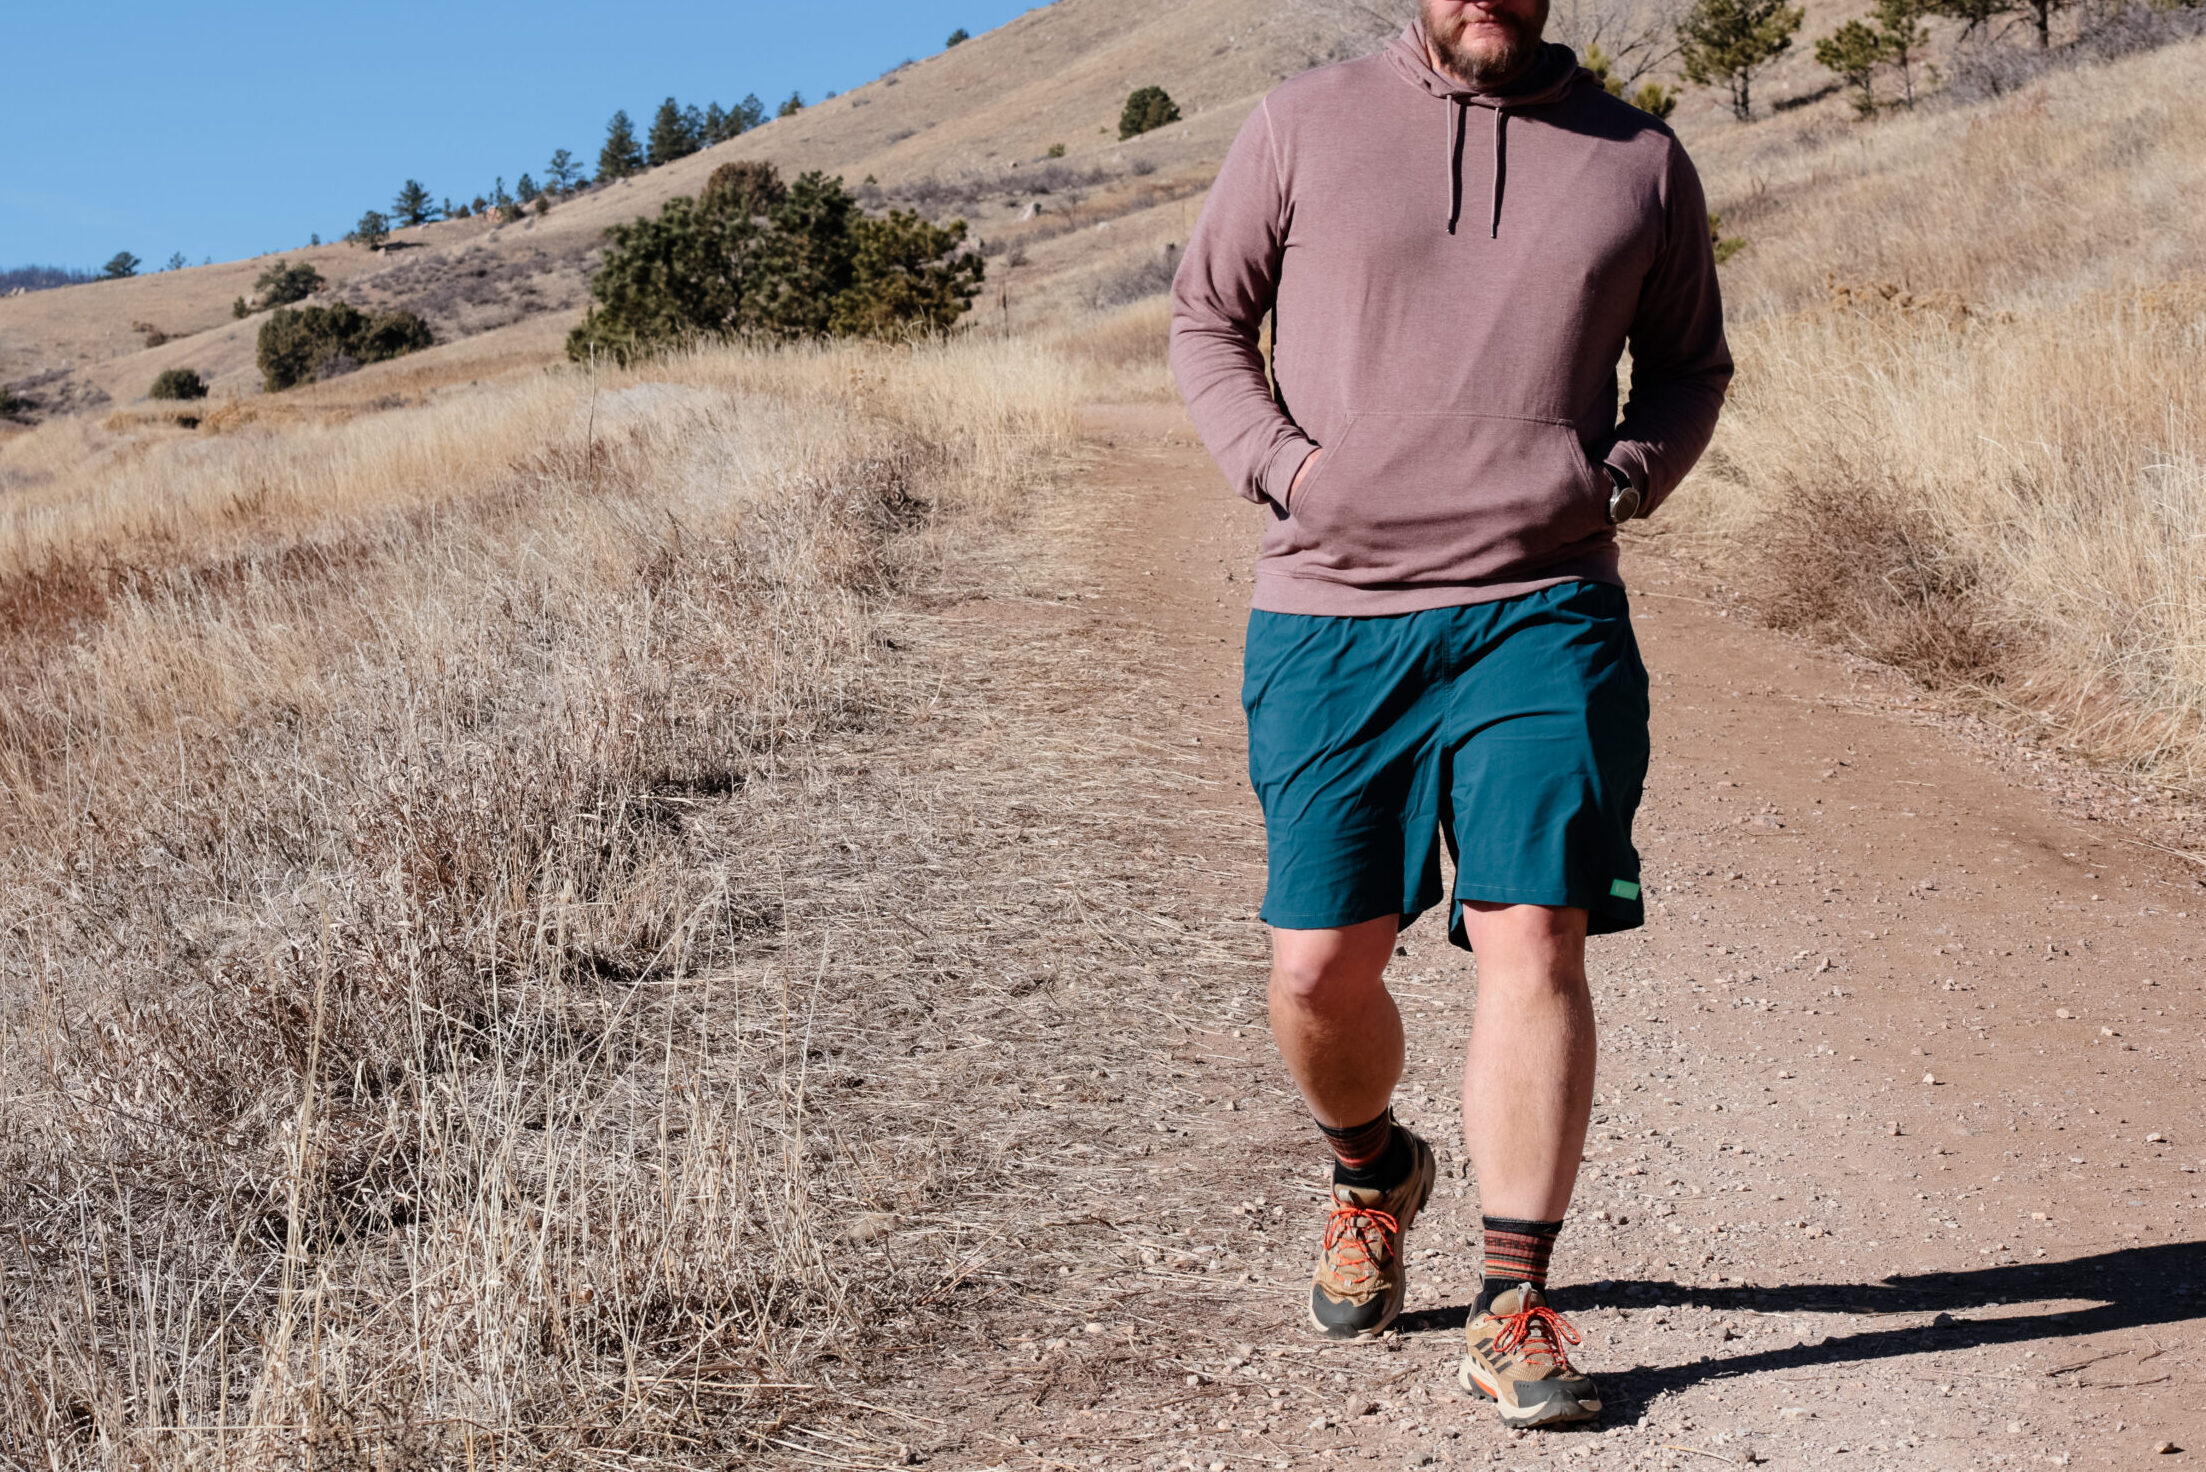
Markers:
1456,122
1501,164
1458,135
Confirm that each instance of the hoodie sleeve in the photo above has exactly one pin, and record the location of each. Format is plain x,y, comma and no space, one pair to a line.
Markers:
1224,288
1681,365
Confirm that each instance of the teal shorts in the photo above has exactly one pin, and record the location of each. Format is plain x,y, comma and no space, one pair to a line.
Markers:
1514,731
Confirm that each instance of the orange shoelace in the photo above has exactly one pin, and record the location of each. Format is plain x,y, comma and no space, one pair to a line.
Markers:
1350,1241
1540,1333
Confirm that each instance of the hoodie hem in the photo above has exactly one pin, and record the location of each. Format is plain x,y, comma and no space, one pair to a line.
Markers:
1286,593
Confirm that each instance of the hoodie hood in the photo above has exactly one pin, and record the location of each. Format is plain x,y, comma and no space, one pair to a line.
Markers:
1550,77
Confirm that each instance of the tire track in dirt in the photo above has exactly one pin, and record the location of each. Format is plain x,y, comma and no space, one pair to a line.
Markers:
1896,1145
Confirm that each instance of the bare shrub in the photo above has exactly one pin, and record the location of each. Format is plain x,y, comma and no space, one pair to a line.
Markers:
1150,276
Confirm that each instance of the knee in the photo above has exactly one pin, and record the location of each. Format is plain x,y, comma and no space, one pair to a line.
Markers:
1528,948
1325,971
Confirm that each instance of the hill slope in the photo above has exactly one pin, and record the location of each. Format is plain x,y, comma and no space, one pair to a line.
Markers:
982,117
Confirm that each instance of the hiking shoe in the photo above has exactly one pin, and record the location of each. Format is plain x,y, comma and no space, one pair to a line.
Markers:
1357,1289
1516,1359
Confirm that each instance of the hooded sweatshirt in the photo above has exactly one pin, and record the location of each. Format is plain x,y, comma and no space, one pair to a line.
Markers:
1455,277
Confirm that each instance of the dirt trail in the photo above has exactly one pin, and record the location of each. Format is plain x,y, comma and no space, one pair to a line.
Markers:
1894,1148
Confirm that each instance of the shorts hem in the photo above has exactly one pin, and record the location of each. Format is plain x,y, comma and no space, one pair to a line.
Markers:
1605,915
1328,919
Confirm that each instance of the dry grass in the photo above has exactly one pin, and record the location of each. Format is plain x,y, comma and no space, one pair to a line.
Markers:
2013,503
1121,352
398,1064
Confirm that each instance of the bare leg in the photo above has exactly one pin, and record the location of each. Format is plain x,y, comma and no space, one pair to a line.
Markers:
1528,1079
1335,1024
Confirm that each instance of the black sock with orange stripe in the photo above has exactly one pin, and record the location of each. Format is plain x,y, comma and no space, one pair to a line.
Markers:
1516,1257
1370,1157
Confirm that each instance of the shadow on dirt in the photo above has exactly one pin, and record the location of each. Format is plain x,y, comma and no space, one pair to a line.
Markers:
2134,1288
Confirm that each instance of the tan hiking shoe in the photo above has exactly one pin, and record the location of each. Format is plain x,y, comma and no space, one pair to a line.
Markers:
1516,1359
1357,1289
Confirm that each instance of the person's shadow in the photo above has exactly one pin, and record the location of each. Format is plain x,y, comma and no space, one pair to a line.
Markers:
2134,1288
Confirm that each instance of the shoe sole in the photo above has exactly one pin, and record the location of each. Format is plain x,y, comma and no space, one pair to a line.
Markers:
1400,1296
1553,1413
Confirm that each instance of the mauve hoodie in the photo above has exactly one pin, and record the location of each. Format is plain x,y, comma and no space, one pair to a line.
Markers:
1452,298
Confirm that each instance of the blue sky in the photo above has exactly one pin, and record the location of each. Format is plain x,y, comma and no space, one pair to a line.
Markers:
228,129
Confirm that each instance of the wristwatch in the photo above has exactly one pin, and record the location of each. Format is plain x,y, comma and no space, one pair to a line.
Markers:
1624,504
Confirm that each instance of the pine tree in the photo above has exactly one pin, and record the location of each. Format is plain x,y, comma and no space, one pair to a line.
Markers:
671,137
1727,41
413,205
750,112
791,106
120,265
374,228
562,171
1900,27
1974,15
526,190
716,124
1853,53
176,262
621,155
1146,109
959,37
1650,97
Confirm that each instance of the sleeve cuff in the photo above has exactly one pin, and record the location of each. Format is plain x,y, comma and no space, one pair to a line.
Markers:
1286,461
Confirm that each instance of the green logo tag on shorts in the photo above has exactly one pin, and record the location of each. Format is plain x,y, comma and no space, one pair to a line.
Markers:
1624,889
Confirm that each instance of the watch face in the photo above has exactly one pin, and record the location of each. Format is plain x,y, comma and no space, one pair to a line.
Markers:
1624,505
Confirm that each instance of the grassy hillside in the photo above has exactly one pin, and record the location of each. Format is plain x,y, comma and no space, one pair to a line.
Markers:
965,132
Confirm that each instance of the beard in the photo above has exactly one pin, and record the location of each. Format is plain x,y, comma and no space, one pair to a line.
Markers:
1484,51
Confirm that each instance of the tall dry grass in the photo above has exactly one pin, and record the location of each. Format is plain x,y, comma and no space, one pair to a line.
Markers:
2014,503
390,1072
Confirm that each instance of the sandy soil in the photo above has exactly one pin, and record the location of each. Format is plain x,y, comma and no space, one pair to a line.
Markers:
1894,1156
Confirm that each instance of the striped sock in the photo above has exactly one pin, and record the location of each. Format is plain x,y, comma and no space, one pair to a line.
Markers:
1370,1156
1516,1256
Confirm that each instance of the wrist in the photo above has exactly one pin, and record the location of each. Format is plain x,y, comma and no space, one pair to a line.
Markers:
1624,497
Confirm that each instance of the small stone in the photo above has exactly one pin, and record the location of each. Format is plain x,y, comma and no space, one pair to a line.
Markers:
1795,1413
1319,1423
1195,1380
1245,1351
2167,1448
2014,1428
1943,1321
1894,1129
1930,1078
1091,1327
2063,1012
2156,1139
871,1227
1361,1405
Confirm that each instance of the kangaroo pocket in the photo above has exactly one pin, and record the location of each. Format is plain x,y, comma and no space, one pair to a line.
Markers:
1412,498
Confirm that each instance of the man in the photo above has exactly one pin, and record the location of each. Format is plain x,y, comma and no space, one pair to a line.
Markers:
1458,238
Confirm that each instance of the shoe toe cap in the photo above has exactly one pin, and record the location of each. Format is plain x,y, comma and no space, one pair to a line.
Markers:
1347,1318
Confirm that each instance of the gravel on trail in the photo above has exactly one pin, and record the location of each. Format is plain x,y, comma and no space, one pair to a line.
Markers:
1895,1155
